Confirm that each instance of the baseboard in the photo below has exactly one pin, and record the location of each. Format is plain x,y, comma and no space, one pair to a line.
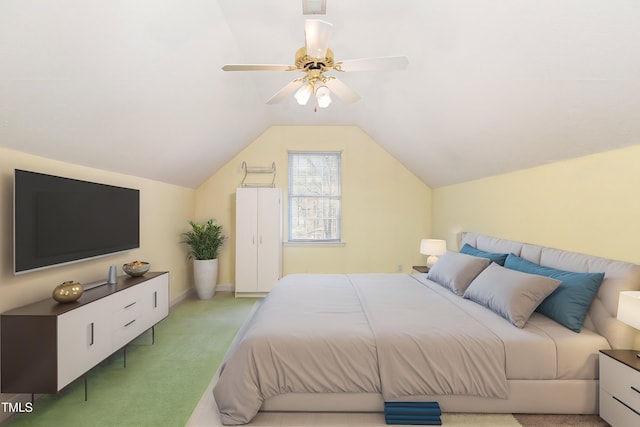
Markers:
222,287
181,297
225,287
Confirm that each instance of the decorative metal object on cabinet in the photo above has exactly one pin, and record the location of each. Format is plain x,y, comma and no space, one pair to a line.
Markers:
258,170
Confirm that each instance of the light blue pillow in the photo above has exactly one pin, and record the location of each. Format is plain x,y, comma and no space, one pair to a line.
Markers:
495,257
567,305
511,294
455,271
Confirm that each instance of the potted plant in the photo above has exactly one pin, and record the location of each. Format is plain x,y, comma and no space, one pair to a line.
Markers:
204,242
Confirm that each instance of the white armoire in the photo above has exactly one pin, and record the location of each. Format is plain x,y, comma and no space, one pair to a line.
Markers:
258,240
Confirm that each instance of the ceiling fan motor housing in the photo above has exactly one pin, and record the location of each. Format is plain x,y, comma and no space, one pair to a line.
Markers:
305,62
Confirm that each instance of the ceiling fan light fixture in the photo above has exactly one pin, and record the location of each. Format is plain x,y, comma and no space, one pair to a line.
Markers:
322,91
303,94
314,59
323,96
324,102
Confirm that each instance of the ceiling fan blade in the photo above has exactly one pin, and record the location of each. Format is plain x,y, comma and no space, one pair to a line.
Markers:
285,91
342,91
369,64
316,33
255,67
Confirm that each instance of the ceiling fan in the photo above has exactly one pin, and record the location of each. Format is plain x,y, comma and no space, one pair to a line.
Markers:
314,59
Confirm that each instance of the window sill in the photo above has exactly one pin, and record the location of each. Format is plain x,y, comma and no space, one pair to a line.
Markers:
315,244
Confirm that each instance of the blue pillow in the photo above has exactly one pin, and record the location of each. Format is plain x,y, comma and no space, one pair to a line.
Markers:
470,250
569,303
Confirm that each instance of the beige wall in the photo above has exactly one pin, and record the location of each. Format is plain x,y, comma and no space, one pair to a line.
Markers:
385,208
165,210
589,205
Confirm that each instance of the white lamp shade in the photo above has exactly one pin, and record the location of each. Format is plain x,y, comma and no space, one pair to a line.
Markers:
629,308
323,96
435,247
322,91
303,94
324,101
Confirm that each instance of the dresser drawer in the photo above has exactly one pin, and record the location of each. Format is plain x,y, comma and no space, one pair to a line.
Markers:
615,413
620,381
127,321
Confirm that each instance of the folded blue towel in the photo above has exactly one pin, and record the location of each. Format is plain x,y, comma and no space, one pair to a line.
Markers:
412,413
432,420
411,404
412,408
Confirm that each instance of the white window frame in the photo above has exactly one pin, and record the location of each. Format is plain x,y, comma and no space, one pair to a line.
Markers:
335,197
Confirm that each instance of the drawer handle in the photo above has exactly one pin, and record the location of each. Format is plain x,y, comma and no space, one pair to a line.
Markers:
91,339
635,389
130,323
155,299
130,305
629,407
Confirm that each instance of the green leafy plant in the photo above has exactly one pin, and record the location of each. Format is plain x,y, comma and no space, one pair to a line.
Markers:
204,240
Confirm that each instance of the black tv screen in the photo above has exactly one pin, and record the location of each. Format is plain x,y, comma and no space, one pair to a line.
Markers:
61,220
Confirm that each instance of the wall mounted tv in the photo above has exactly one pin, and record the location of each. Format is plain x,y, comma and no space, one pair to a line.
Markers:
60,220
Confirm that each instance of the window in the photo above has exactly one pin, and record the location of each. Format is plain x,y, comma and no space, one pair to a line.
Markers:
314,196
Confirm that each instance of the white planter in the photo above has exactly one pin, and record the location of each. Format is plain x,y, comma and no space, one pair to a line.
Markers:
205,275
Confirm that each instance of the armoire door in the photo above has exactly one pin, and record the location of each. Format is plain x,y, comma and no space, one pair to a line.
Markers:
246,240
269,238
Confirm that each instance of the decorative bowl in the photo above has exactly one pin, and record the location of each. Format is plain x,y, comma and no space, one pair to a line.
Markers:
136,268
67,291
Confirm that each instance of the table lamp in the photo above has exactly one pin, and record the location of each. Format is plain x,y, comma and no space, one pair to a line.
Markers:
433,248
629,309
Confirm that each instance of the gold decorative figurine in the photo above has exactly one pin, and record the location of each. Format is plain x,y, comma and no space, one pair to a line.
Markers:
68,291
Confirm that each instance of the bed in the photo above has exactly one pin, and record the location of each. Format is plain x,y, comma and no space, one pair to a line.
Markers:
464,335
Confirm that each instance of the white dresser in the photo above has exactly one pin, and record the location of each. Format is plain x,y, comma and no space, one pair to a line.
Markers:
620,387
47,345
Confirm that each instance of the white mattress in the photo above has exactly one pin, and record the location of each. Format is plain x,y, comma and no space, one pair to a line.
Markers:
542,350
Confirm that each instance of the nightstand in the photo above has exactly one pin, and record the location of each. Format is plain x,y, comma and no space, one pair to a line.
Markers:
620,387
420,269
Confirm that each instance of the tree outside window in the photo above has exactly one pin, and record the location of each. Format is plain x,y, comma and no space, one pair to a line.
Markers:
314,196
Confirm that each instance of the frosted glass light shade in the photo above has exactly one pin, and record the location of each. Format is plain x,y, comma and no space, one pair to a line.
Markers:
629,308
323,95
303,94
322,91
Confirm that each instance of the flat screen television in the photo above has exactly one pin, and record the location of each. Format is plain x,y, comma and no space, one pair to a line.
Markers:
61,220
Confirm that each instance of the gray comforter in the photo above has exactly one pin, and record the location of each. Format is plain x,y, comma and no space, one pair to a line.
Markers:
359,333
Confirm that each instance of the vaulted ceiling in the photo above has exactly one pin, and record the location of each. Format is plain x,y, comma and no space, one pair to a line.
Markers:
492,86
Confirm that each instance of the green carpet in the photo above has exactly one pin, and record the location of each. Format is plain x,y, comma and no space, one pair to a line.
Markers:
161,384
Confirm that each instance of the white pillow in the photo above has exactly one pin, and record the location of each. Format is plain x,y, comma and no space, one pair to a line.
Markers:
455,271
512,294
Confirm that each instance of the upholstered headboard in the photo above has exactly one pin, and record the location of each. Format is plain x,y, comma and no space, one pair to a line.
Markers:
618,276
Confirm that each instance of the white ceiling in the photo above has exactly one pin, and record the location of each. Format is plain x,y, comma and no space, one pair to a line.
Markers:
492,85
